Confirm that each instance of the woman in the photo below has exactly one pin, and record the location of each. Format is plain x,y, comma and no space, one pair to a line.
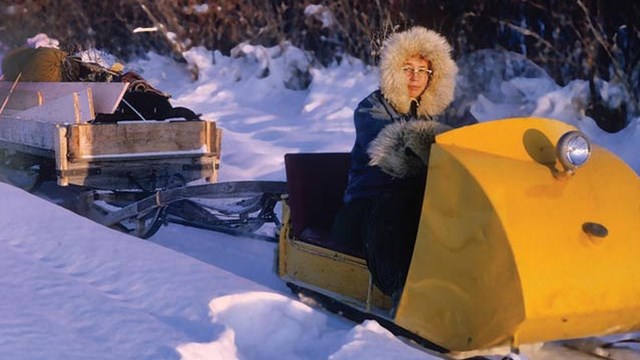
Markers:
395,127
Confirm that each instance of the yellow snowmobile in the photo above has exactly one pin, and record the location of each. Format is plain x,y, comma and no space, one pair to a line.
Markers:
529,233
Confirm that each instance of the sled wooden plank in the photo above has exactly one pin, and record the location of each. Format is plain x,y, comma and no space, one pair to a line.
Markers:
62,161
106,96
118,173
30,132
20,99
74,108
143,137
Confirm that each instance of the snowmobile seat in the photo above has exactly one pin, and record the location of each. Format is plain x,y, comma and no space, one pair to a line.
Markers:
316,184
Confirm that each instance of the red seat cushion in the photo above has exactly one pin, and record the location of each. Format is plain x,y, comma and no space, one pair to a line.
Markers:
316,184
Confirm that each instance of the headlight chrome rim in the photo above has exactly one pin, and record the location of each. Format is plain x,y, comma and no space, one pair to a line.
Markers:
573,150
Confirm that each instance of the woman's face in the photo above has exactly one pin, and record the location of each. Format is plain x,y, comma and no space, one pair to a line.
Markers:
417,71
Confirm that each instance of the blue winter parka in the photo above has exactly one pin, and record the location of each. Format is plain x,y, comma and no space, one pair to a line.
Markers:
365,181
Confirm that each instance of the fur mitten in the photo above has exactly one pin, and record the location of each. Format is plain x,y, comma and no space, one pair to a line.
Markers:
402,148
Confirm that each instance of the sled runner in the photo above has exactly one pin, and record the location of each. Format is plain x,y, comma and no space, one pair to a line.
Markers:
48,132
523,239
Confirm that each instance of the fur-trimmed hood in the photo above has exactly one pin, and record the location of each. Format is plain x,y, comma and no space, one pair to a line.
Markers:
393,83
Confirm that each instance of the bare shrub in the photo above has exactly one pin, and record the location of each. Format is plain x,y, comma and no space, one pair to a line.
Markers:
571,39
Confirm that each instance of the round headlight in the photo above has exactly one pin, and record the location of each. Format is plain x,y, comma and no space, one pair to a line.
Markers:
573,150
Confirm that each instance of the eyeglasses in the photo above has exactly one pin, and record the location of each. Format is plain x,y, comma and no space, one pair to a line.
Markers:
420,72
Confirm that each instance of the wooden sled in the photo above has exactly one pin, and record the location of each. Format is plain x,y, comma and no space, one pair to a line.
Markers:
47,134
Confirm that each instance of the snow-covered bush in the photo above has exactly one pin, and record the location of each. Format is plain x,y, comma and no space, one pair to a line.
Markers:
487,74
286,62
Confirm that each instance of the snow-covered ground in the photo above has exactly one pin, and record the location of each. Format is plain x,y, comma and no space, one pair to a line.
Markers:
72,289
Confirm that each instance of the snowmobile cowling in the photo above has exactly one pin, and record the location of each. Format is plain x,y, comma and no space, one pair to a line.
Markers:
505,252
